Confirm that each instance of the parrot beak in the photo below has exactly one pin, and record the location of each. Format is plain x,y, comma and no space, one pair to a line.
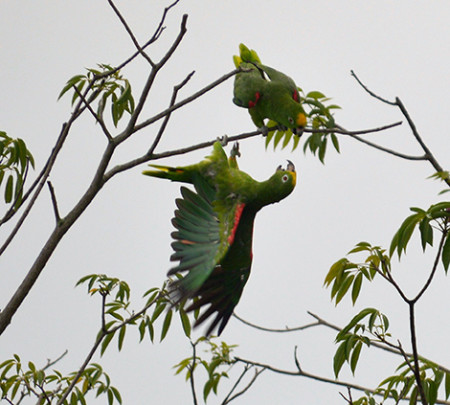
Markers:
301,123
290,167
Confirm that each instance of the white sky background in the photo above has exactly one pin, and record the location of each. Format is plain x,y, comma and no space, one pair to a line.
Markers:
397,48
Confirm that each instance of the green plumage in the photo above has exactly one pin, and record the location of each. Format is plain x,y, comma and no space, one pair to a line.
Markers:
214,227
267,93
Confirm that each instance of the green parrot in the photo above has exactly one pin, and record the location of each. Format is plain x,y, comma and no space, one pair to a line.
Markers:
214,228
267,93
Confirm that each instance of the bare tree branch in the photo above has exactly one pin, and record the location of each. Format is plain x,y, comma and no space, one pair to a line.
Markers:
66,223
228,399
130,32
54,202
176,89
130,129
428,155
369,91
299,373
94,114
191,377
286,329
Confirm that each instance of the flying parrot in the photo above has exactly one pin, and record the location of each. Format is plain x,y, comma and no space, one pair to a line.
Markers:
267,93
214,228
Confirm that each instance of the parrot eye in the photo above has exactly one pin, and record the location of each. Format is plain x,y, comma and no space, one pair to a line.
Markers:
291,120
285,178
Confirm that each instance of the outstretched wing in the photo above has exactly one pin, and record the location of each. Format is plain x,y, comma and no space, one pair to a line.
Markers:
206,229
197,238
201,239
222,291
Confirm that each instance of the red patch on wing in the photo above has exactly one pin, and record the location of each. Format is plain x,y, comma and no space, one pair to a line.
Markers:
251,103
237,218
295,96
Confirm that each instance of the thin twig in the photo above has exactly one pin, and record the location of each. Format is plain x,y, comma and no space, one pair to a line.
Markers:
297,361
433,270
246,388
131,126
93,113
244,371
428,155
187,100
103,333
320,378
130,32
286,329
176,89
369,91
340,130
154,37
191,378
54,202
53,362
416,369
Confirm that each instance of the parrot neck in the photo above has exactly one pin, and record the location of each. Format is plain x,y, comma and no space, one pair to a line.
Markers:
266,196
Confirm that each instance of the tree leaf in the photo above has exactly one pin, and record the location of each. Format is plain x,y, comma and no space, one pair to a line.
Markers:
106,342
339,358
344,288
426,233
446,253
447,385
315,94
121,336
185,322
9,189
70,83
356,287
355,356
166,324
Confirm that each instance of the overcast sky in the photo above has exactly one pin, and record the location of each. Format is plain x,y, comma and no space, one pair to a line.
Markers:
398,48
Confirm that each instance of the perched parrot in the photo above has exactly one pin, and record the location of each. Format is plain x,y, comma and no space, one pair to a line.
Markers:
214,228
267,93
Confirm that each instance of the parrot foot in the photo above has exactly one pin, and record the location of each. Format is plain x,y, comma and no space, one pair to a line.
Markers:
235,150
298,131
264,130
223,140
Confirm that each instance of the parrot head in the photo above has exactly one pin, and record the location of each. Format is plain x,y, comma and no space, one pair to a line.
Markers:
295,118
281,184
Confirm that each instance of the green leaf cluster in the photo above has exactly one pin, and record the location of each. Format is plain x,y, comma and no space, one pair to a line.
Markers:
403,384
320,116
108,86
219,357
118,316
15,159
19,381
356,334
442,176
427,221
345,276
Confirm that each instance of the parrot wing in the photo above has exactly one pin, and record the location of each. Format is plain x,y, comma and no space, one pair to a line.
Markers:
248,86
202,238
277,76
